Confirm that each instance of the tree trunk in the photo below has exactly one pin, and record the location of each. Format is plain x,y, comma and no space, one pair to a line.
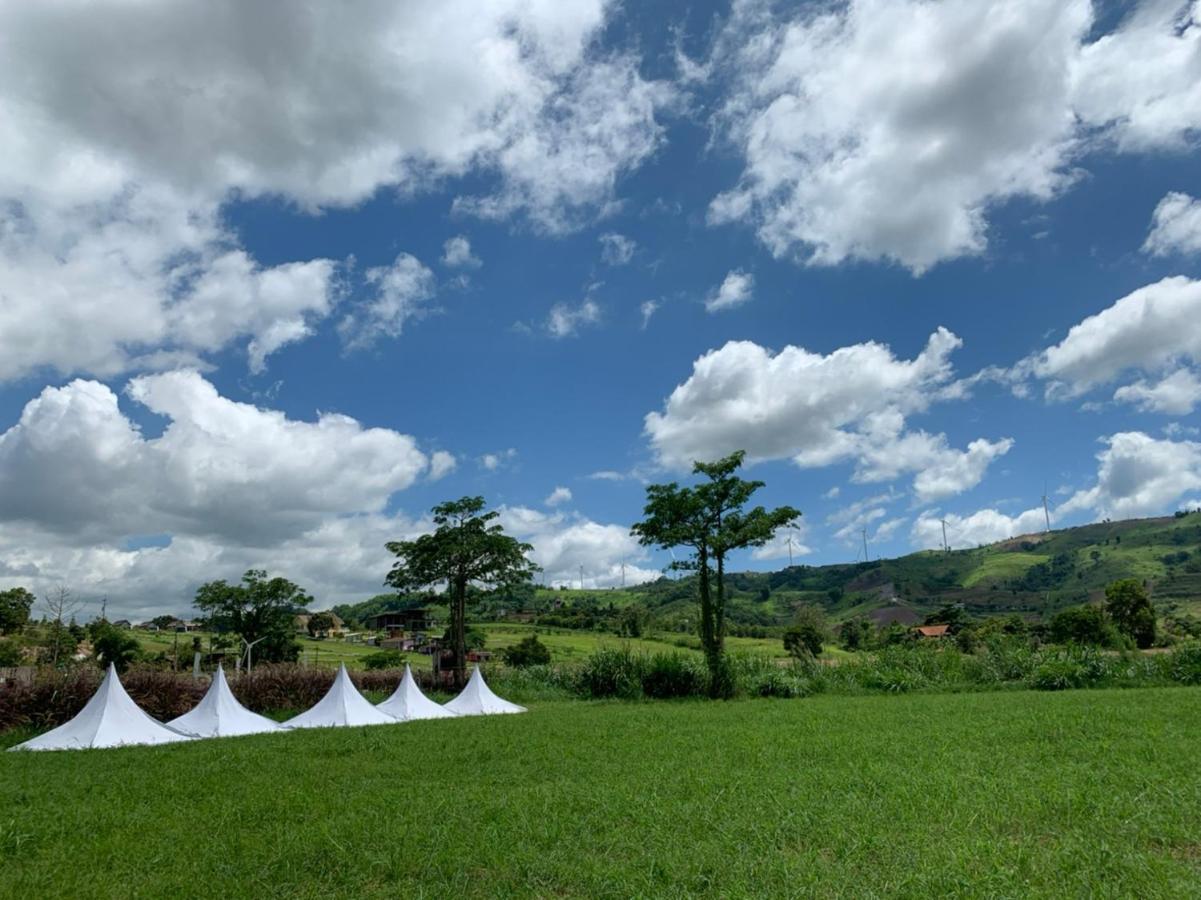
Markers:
458,632
708,630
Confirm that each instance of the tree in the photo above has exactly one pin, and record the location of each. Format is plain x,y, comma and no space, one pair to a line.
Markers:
112,645
1128,605
807,633
466,548
1083,625
61,605
632,620
15,604
855,634
529,651
163,621
320,624
709,519
260,611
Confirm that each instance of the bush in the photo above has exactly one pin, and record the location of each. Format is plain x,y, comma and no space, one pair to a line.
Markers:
384,659
611,672
803,639
529,651
667,675
10,652
1072,667
1185,666
1086,625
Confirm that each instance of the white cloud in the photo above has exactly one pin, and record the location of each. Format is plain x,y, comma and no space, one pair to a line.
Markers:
111,198
399,293
1177,394
856,146
617,249
456,253
890,129
492,461
648,309
75,465
565,320
558,496
1149,330
734,290
563,543
1175,226
442,464
819,410
832,493
1140,475
985,526
1142,82
784,543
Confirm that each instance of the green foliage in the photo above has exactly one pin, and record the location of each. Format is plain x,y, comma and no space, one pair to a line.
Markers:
163,621
259,609
1085,625
384,659
855,634
1130,609
115,646
527,652
10,653
319,624
466,548
803,639
15,604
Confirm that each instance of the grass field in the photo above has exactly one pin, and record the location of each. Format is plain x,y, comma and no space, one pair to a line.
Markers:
1087,793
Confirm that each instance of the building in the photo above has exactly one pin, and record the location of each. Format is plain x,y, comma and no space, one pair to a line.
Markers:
339,629
932,631
399,621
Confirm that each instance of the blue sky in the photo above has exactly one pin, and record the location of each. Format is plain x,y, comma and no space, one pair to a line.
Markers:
272,289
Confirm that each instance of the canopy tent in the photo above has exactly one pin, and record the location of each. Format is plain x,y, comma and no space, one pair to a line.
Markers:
408,703
341,705
477,699
110,719
220,714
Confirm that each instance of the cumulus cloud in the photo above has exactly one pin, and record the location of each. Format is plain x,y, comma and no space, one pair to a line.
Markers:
490,462
111,198
1150,330
566,320
558,496
1177,394
856,146
817,410
1139,475
1175,226
564,543
735,290
75,464
456,254
442,464
399,292
617,249
985,526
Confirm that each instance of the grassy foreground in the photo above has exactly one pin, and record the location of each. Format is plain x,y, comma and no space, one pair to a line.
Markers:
1087,793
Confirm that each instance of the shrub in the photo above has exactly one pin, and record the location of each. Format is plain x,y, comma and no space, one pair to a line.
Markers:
384,659
1185,666
10,652
1072,667
529,651
673,675
611,672
803,639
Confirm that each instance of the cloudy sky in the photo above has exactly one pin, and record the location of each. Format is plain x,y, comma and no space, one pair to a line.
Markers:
276,278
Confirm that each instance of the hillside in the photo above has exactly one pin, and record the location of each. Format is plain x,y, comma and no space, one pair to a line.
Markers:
1030,574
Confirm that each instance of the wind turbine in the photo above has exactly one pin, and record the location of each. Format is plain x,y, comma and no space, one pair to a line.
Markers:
1046,510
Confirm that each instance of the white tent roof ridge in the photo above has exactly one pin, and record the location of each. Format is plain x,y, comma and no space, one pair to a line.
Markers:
408,703
341,706
477,699
109,719
219,714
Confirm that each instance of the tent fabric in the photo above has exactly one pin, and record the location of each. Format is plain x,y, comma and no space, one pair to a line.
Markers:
342,705
407,703
477,699
110,719
220,714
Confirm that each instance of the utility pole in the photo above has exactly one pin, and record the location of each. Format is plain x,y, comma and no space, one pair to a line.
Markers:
946,548
863,531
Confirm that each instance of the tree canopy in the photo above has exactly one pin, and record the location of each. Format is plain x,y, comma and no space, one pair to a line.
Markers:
466,548
15,604
1128,605
259,609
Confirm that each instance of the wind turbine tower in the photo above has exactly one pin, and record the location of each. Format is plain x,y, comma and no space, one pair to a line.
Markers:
1046,509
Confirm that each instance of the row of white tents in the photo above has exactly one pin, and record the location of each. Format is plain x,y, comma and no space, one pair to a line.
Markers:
112,719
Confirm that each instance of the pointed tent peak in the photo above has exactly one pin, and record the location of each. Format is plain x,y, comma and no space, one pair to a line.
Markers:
109,719
219,714
408,703
342,705
477,699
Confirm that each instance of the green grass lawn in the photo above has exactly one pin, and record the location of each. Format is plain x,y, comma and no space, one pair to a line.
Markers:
1086,793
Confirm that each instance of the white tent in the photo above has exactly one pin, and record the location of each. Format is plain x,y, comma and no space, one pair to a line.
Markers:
341,705
477,699
408,703
110,719
220,714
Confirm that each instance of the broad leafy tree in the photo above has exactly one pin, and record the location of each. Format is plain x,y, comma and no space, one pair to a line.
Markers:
320,624
15,604
259,609
112,645
1128,605
710,519
467,548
